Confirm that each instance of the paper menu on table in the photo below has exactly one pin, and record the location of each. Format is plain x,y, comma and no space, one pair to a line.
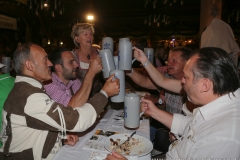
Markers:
96,142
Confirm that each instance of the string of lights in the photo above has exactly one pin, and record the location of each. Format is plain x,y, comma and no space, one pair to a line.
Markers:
52,6
155,17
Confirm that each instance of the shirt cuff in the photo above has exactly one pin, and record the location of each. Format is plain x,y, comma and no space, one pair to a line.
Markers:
104,93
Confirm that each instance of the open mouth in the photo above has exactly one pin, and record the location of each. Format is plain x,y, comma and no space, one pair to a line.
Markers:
75,70
89,41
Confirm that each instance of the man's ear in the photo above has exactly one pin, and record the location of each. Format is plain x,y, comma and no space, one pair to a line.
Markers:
58,68
29,65
206,85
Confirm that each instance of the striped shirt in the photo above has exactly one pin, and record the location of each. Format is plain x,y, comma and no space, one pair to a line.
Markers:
60,92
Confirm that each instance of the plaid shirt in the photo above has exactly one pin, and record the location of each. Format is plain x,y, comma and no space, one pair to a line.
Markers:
174,102
60,92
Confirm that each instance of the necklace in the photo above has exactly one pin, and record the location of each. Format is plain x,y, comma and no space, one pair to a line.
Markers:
88,56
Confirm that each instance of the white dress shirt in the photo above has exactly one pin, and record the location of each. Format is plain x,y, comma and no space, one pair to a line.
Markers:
213,130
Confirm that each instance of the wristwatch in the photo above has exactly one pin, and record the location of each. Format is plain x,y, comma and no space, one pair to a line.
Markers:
160,101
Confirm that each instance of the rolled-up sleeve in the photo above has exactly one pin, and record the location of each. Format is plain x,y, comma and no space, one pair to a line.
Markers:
179,123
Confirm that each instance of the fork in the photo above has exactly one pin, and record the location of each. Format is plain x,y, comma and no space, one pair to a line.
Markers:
132,134
129,137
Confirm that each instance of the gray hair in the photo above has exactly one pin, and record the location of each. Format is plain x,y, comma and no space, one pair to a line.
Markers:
216,65
21,54
78,28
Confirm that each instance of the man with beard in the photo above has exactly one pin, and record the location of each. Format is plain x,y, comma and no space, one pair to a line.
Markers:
34,124
64,86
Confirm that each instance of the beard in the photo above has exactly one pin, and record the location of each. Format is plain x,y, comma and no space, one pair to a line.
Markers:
69,75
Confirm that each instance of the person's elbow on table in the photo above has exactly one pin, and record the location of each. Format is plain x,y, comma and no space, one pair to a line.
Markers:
111,87
115,156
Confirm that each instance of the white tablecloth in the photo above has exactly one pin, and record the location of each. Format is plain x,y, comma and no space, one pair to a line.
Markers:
107,123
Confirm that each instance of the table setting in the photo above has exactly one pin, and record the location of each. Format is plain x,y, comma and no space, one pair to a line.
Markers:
116,125
106,124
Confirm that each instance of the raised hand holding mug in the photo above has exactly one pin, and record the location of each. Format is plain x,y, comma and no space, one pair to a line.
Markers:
140,55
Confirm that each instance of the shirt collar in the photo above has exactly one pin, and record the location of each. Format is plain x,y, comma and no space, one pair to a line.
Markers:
29,80
213,107
185,110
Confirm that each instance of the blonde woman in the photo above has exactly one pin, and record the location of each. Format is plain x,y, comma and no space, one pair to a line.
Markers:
82,35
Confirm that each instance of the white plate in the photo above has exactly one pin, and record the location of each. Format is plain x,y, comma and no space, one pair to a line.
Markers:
140,150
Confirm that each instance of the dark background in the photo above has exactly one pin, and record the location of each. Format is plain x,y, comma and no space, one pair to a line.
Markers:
113,18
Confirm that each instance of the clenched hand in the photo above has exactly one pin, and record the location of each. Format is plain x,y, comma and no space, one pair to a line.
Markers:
96,65
112,86
71,139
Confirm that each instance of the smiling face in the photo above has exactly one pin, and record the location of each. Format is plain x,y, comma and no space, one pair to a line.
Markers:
40,63
175,64
69,67
85,38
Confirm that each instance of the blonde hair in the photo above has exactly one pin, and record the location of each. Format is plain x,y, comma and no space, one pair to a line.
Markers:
78,28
